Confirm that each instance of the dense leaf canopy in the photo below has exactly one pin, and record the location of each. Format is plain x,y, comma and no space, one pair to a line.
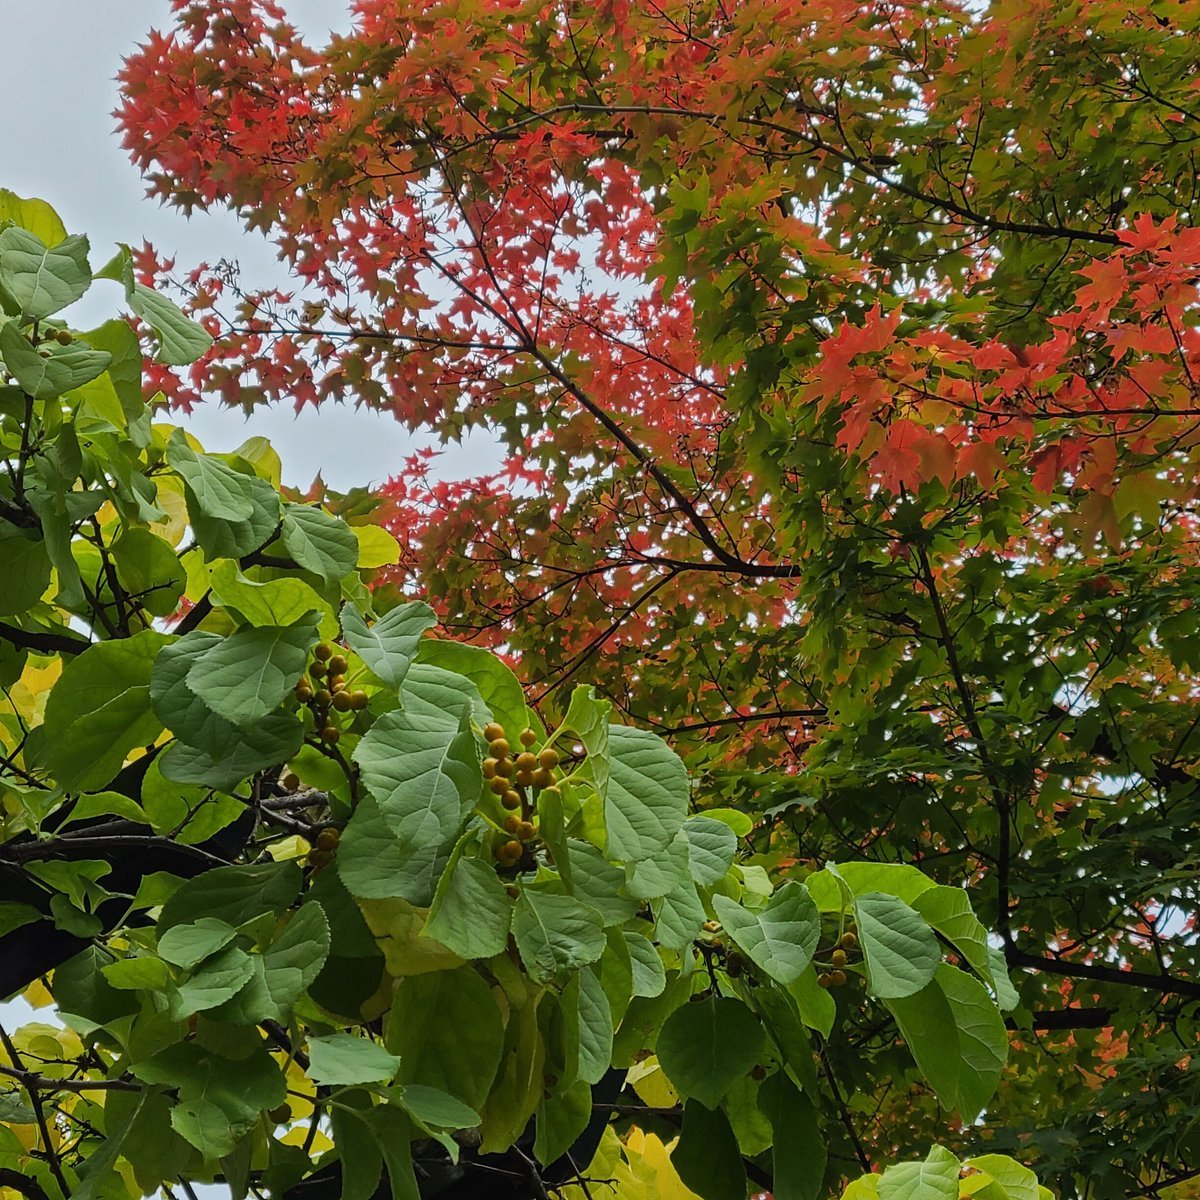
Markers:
844,360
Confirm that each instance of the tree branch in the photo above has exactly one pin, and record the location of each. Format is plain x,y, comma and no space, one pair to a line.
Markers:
1166,984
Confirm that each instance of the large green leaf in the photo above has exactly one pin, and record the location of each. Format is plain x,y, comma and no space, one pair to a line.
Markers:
588,718
24,572
595,1027
180,340
599,884
900,950
798,1152
949,911
646,800
434,1108
235,894
471,910
499,687
42,279
556,934
248,673
48,371
649,974
341,1059
221,538
375,864
1017,1181
389,646
267,602
448,1032
99,710
956,1034
561,1117
711,847
217,980
187,945
219,1098
422,769
780,938
149,571
934,1179
319,542
680,915
215,751
706,1045
707,1156
650,878
214,488
358,1148
283,971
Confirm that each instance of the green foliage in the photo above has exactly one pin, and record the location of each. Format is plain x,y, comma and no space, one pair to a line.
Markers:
380,945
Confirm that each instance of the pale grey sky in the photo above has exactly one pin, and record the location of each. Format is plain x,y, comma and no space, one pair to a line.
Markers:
59,144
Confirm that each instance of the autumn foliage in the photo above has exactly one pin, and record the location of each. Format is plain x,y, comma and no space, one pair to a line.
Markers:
845,363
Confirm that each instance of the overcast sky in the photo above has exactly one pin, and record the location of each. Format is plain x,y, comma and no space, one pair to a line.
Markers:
59,143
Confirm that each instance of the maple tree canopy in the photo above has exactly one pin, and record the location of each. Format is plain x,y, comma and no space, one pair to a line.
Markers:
844,359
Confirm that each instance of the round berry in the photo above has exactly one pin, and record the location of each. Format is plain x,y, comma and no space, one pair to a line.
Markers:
848,940
322,651
304,693
528,737
824,980
548,758
498,748
337,683
489,768
526,831
504,767
341,701
524,779
511,798
498,786
512,823
542,778
338,664
331,734
359,700
838,958
526,761
837,978
328,839
493,732
323,697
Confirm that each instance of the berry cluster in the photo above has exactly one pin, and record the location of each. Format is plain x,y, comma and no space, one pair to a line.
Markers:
514,778
325,692
324,850
836,977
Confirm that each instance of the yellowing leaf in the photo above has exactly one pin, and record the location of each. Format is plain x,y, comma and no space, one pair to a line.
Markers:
398,924
376,547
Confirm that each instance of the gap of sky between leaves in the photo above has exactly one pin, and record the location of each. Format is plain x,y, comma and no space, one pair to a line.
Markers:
59,144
